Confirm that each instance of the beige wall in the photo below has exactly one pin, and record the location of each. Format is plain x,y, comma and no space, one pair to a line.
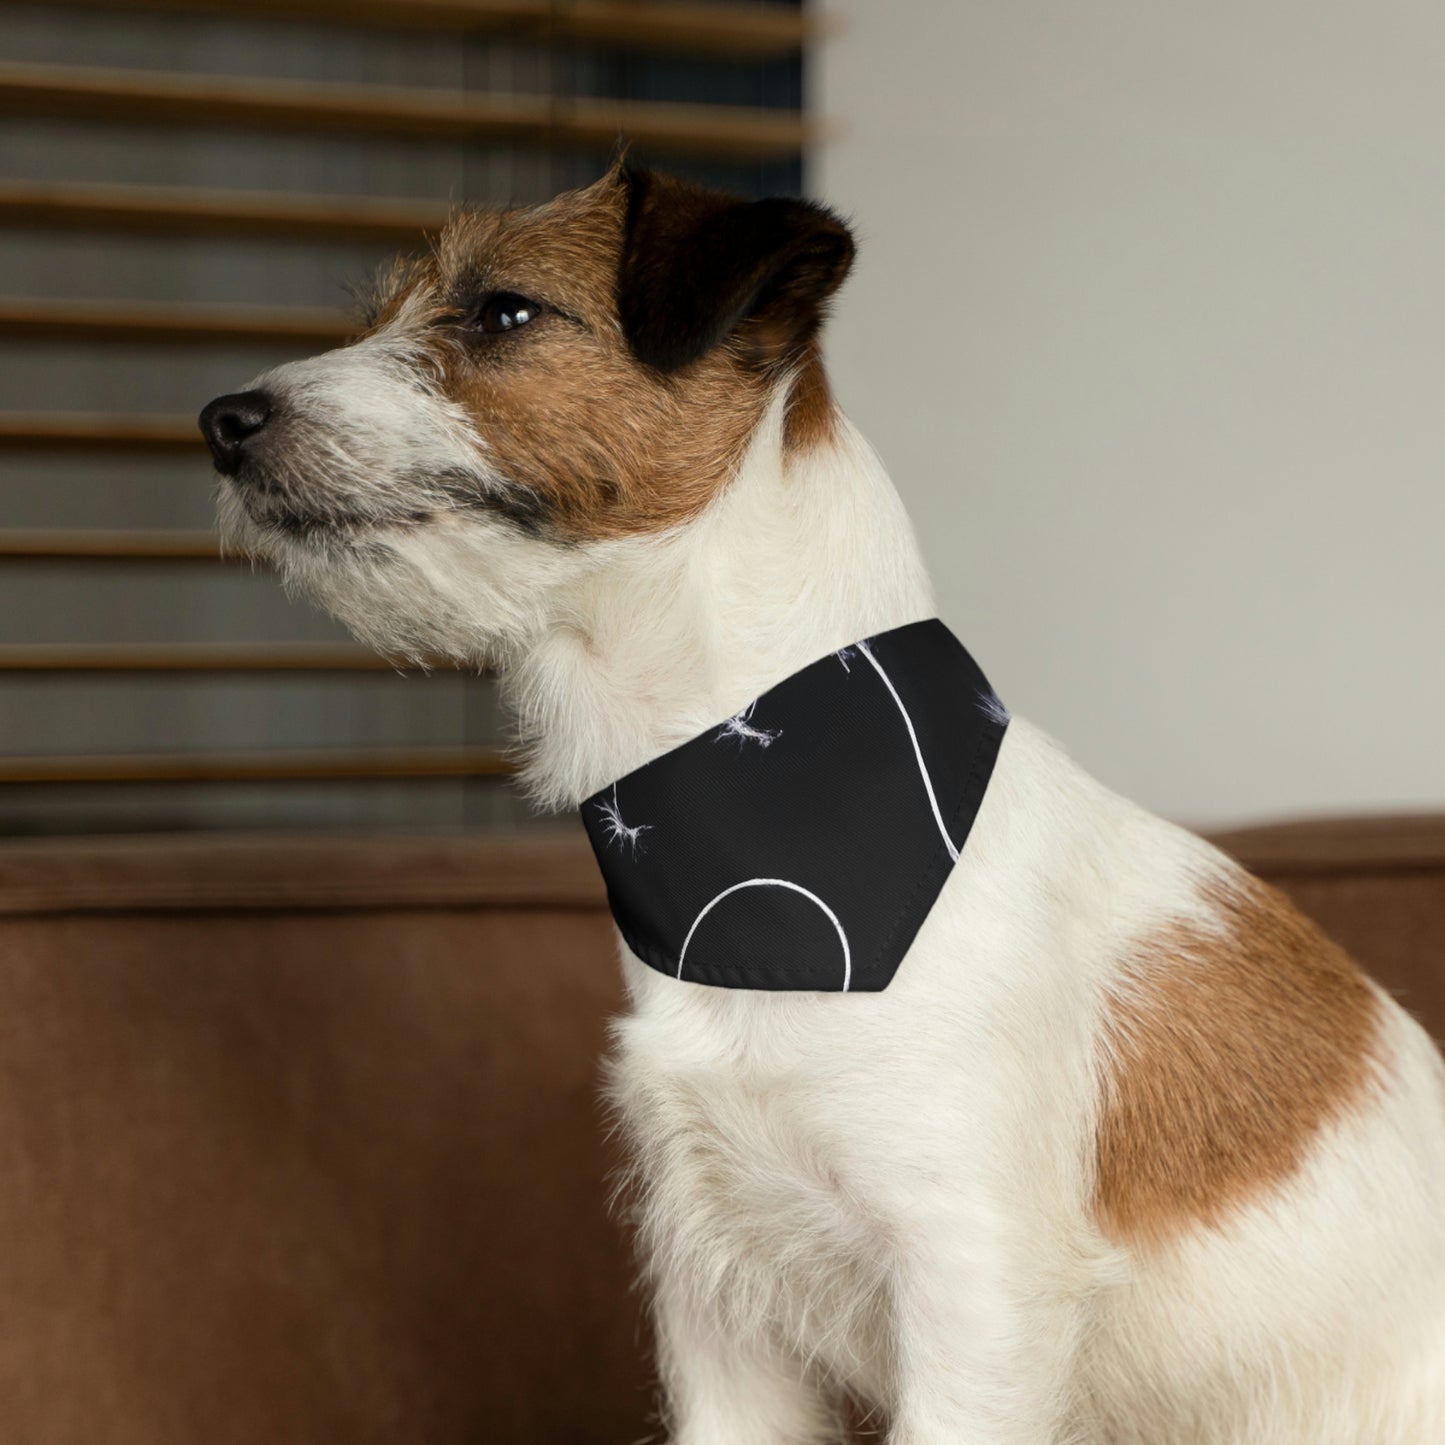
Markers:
1149,324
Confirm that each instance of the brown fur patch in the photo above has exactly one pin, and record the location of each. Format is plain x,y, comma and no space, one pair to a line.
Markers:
596,443
812,413
566,411
1228,1051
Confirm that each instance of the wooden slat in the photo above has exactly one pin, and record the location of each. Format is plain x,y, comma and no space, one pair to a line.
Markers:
171,324
265,767
708,29
170,210
181,657
93,431
108,546
703,29
216,101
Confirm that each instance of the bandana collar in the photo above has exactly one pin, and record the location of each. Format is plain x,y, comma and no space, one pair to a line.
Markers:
801,843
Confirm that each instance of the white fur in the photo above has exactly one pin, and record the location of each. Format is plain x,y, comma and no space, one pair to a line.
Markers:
888,1194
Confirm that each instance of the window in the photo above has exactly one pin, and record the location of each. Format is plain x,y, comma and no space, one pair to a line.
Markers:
188,192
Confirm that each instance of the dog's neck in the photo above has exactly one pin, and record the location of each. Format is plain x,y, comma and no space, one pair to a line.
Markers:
802,554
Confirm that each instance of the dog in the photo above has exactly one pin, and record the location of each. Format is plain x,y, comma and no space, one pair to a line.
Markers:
1126,1152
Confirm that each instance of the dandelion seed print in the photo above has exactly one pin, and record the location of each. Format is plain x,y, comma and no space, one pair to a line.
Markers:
617,830
740,728
991,706
809,866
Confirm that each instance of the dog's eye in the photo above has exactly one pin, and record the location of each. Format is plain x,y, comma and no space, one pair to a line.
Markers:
505,311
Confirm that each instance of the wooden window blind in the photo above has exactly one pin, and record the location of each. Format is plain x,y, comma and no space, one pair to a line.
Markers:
187,190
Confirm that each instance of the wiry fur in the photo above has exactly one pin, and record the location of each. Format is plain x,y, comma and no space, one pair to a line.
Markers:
896,1196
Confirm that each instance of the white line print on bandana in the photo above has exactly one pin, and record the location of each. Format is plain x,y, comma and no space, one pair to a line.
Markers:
738,726
774,883
913,738
617,830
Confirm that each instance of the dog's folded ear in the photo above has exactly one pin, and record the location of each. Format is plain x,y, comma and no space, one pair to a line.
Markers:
699,267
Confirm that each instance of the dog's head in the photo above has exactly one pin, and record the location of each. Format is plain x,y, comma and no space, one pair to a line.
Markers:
546,383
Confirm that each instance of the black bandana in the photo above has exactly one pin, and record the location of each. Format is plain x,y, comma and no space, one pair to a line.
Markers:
801,843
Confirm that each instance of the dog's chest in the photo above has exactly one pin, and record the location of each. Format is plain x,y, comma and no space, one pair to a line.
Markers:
745,1185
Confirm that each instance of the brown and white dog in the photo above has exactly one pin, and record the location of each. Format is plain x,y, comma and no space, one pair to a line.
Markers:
1127,1152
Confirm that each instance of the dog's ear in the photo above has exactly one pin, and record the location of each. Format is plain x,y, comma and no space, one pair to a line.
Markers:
699,267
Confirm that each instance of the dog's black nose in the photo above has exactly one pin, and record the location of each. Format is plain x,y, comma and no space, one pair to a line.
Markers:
229,422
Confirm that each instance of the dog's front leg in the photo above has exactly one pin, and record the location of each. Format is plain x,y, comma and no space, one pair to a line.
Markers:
985,1343
721,1389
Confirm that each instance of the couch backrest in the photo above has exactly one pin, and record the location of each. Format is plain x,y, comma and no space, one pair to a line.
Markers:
300,1140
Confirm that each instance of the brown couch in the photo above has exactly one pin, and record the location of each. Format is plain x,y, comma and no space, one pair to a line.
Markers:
299,1142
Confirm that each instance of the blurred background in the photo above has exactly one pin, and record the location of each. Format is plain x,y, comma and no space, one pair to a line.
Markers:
1149,324
302,1007
189,193
1146,323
